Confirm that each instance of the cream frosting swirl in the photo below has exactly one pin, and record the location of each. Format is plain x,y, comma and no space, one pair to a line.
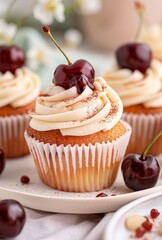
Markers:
137,88
20,88
77,114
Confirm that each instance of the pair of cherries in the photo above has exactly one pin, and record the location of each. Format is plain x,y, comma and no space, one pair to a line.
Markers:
79,74
134,56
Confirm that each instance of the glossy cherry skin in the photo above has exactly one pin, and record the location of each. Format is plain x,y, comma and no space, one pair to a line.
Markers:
64,73
12,218
140,174
2,161
134,56
11,58
80,81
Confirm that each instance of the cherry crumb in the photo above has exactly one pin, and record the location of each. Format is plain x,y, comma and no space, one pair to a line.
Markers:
154,213
140,232
25,179
102,195
147,225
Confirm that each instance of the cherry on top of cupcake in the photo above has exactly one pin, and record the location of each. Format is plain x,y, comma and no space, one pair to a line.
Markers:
80,73
134,55
11,58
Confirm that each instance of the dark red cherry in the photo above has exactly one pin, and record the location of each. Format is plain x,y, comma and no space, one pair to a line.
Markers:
79,73
139,173
11,58
12,218
64,75
134,56
2,161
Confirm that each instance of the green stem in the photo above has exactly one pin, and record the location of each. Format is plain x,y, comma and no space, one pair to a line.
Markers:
150,144
52,38
9,8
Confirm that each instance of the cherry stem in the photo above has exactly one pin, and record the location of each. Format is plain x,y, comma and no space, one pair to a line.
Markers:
140,9
150,144
52,38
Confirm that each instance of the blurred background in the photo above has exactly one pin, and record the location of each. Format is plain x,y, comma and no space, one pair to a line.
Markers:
84,29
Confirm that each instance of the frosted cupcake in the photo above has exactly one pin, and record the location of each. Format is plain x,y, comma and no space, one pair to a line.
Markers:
75,135
19,88
138,81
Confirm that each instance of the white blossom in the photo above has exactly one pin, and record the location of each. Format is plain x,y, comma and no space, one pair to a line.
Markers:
7,31
72,38
89,7
37,57
47,10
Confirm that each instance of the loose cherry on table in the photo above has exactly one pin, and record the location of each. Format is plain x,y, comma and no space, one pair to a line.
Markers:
12,218
134,56
79,73
11,58
2,161
141,171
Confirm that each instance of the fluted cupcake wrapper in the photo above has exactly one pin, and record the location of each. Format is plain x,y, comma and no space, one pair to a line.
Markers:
78,168
12,139
144,129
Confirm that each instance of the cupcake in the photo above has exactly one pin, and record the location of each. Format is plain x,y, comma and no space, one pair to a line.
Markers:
75,135
19,88
137,78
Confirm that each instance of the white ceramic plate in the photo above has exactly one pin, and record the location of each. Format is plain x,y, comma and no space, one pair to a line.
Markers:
38,196
116,229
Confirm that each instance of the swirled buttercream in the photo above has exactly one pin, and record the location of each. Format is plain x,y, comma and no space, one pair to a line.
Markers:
137,88
18,89
77,114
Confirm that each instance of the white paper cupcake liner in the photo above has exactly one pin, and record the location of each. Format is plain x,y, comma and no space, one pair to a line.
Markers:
79,168
12,139
144,129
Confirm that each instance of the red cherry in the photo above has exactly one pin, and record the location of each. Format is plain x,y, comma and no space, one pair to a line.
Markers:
2,161
12,218
11,58
140,173
154,213
65,75
134,56
79,73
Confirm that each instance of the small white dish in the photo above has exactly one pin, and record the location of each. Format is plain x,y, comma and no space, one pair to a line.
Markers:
116,228
38,196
